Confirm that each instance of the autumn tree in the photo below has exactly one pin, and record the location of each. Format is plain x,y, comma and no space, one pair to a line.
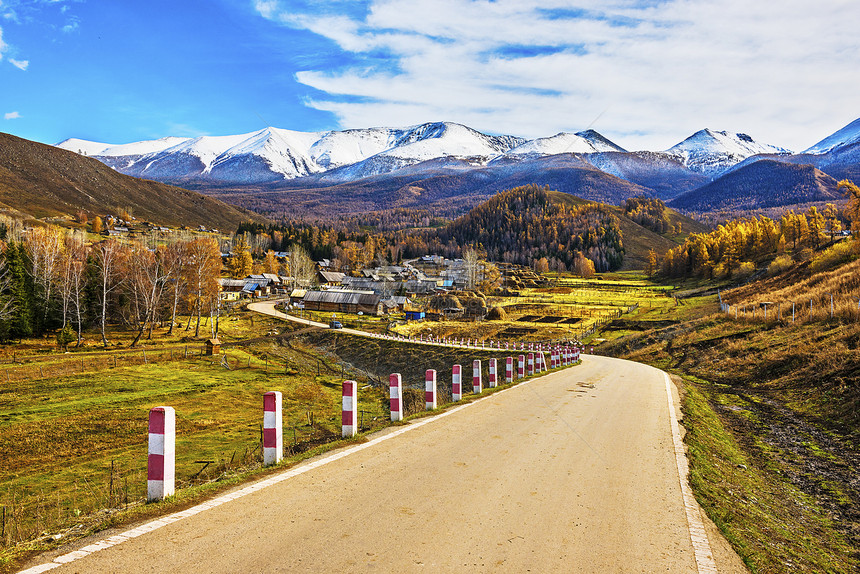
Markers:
832,224
98,226
583,266
240,264
852,210
651,267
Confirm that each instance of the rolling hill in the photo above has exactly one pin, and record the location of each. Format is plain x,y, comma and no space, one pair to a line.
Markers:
45,181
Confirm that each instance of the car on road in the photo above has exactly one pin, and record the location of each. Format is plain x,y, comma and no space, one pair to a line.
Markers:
335,325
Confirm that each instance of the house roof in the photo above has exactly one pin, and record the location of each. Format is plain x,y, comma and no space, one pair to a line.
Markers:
332,276
342,298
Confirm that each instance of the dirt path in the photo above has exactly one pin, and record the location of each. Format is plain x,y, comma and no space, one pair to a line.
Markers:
571,472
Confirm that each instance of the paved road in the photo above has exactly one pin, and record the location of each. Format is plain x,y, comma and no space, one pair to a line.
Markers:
574,471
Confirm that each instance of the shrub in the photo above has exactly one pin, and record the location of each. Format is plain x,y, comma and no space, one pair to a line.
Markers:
780,264
746,269
834,256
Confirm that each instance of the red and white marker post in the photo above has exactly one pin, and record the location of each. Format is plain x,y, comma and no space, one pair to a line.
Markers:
395,396
509,370
161,462
521,366
493,377
273,428
531,364
456,382
430,389
477,383
349,421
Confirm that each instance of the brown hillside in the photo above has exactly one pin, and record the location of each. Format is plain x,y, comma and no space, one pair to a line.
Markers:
45,181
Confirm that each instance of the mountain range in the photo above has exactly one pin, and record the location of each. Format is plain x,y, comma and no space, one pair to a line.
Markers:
444,162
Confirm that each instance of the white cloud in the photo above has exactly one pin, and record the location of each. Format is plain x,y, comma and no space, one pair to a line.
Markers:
20,64
659,70
11,116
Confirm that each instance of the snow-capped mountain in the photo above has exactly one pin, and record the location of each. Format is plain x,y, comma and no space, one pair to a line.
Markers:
849,135
588,141
711,152
273,154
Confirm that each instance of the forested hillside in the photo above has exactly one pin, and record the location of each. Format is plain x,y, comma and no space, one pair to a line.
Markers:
523,224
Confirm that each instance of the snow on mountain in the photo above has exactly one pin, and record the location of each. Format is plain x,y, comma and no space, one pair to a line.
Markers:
848,135
444,139
274,154
582,142
710,152
83,147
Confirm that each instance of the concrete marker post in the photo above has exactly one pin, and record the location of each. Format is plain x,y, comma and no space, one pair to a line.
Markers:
521,367
509,370
477,383
430,389
531,370
161,459
395,396
457,382
273,428
493,378
349,426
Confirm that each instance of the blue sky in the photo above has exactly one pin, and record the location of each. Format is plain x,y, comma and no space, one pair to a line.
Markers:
645,73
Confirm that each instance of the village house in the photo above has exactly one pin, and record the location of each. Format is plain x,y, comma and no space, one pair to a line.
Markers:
344,302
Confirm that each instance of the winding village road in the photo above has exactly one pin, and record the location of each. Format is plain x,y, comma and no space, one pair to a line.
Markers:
580,470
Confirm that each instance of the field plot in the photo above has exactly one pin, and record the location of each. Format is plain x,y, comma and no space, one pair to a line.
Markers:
571,308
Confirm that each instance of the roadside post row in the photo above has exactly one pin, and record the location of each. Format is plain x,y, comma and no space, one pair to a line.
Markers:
161,457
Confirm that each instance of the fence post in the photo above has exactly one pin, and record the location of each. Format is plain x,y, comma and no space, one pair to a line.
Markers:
161,460
477,383
273,428
350,407
457,383
493,376
430,389
509,367
395,396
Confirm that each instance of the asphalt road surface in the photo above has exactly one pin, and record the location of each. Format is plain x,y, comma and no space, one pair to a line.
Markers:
574,471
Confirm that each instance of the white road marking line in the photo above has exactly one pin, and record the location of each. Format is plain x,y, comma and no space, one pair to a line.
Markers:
698,537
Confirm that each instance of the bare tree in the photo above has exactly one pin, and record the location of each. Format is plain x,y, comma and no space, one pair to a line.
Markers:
107,256
175,261
301,266
45,245
145,277
201,274
71,277
473,267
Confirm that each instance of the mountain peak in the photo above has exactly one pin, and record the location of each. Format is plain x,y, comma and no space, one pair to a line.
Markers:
711,151
848,135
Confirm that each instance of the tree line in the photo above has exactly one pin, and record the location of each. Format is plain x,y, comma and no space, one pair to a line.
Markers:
736,246
52,279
